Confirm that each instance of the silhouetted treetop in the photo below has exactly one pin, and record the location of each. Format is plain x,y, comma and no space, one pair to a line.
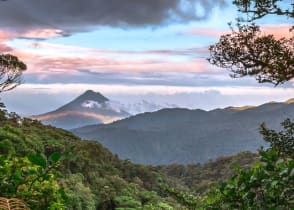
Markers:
246,52
11,69
259,8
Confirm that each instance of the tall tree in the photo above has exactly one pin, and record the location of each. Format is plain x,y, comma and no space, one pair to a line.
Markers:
11,69
248,52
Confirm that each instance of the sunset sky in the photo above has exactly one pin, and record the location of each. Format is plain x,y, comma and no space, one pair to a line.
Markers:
128,50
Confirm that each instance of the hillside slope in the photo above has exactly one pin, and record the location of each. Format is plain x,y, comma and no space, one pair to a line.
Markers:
188,136
93,178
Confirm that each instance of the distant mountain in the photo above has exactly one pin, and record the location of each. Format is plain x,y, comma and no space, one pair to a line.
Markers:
188,136
87,109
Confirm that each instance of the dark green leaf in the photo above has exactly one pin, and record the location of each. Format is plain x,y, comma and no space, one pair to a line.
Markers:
38,160
54,157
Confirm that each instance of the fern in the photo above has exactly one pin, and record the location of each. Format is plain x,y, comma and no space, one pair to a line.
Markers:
12,204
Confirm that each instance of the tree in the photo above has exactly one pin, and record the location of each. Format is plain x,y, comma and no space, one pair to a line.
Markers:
11,69
257,9
247,52
282,141
269,184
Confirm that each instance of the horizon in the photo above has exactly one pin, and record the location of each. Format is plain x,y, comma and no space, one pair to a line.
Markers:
121,51
158,108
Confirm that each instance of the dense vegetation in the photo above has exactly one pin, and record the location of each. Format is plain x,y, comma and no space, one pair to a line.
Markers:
269,184
86,176
50,168
199,177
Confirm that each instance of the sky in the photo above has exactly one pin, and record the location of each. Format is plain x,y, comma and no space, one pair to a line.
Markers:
128,50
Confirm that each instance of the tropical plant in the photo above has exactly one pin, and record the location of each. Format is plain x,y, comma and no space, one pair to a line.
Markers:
32,179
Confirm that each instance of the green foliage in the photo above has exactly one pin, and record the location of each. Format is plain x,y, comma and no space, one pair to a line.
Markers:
268,185
88,176
79,196
64,172
135,198
32,180
283,141
186,198
199,177
127,202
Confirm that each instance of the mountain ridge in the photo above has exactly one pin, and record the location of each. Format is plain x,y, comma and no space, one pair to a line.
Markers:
178,135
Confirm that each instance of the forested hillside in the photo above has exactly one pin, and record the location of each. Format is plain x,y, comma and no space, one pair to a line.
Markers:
43,167
50,168
186,136
92,178
199,177
76,174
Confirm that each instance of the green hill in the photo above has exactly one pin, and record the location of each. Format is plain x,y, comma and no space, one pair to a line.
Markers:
93,178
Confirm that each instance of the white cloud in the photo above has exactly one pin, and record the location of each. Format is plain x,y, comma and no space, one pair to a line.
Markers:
31,99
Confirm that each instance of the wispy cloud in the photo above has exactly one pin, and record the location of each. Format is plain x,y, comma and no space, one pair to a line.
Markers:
77,88
200,51
66,65
45,59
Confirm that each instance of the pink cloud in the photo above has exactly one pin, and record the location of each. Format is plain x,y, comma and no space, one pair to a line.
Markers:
7,35
4,37
278,30
45,58
5,48
194,65
39,64
206,32
93,52
42,34
31,34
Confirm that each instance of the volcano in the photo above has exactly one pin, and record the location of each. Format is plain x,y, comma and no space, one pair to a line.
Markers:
87,109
